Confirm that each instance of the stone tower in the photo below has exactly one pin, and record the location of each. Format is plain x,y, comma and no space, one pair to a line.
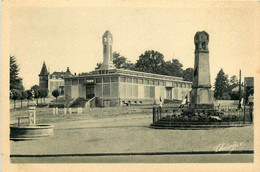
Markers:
201,93
43,77
107,41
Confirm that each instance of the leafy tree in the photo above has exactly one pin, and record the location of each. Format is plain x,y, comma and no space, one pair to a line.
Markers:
151,61
16,95
29,95
15,80
221,84
188,74
36,89
121,62
98,65
55,94
24,96
233,79
174,68
45,94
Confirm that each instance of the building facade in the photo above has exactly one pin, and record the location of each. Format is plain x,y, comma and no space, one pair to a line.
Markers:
54,81
113,87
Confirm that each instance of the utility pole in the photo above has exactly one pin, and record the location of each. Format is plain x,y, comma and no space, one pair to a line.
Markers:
239,86
244,102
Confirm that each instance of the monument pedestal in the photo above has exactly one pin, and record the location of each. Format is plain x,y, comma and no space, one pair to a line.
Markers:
32,112
202,98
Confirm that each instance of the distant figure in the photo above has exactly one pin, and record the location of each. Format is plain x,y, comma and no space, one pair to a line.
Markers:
240,104
184,102
161,103
251,100
251,106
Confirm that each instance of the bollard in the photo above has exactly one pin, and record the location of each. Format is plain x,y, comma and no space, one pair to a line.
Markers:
65,111
53,111
70,110
57,110
78,110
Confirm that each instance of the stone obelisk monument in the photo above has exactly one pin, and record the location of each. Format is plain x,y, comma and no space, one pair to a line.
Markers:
201,93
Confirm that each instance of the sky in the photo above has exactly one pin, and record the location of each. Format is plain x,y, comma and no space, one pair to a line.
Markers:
71,37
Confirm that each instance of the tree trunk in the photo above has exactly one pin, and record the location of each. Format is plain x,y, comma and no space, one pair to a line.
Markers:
21,103
56,99
14,104
44,100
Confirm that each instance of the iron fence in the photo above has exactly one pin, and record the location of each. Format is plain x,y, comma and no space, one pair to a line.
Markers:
218,115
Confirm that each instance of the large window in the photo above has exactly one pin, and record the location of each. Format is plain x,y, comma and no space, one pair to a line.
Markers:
122,79
114,79
106,79
74,81
129,80
81,81
67,82
98,80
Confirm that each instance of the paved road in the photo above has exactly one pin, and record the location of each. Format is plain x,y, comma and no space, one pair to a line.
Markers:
85,133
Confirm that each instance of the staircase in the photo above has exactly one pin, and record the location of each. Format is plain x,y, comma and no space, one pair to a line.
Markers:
77,102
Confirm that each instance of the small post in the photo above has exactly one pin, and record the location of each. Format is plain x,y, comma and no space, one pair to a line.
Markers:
153,115
65,110
78,110
34,117
70,110
53,111
57,111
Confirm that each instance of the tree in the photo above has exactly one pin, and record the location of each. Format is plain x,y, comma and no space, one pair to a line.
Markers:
174,68
188,74
233,79
151,61
15,80
56,94
121,62
36,88
98,65
221,84
24,96
16,95
29,95
45,94
41,94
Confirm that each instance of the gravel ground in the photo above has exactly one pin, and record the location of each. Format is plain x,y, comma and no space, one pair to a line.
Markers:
124,130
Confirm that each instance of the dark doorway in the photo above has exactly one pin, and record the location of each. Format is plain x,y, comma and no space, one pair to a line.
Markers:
90,91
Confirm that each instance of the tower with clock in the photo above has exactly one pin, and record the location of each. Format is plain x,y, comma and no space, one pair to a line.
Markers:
201,93
107,41
43,77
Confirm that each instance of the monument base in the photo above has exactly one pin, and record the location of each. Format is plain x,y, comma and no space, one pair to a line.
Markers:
202,98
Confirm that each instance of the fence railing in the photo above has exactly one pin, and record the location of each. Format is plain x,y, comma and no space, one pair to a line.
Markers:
216,115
